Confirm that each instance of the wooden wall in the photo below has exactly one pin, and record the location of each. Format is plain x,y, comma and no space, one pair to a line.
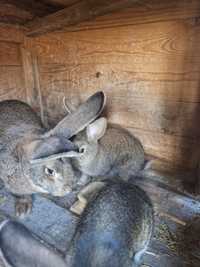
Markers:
150,72
146,59
11,67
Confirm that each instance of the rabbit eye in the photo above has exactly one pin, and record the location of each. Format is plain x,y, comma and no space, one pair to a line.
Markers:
82,149
50,172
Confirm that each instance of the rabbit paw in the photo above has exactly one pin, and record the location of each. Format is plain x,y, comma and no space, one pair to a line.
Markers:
78,207
85,196
23,206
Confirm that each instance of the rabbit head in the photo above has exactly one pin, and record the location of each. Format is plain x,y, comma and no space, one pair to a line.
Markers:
55,177
43,159
88,146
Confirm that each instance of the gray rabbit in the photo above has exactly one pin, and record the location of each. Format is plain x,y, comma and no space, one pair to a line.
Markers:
114,230
104,150
24,140
107,150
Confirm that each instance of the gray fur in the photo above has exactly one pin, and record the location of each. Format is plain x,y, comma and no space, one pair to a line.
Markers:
116,153
114,230
23,139
114,227
20,248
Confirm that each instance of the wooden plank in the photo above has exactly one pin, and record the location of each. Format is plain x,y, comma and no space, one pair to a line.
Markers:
156,133
38,89
32,81
37,8
82,11
27,63
124,60
156,116
160,114
11,33
63,2
13,15
174,153
147,12
168,200
129,50
11,73
150,73
9,54
11,83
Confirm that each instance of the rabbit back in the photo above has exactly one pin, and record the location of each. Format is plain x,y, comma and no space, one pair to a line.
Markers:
116,153
16,118
114,228
20,248
124,150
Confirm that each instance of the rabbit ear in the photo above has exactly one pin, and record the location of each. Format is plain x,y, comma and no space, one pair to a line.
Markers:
96,129
81,117
20,248
46,147
70,154
69,105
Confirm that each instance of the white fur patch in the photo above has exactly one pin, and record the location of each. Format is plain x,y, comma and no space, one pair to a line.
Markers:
138,255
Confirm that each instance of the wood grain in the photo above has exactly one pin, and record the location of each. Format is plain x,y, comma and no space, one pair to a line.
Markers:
81,11
9,54
12,14
147,12
150,73
34,7
63,2
171,152
11,33
29,73
11,72
11,83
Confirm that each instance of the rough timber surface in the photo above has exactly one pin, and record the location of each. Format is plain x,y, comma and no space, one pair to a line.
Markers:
148,69
11,71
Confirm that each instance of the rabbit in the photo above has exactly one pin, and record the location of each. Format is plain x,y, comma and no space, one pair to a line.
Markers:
24,141
25,249
107,149
115,229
